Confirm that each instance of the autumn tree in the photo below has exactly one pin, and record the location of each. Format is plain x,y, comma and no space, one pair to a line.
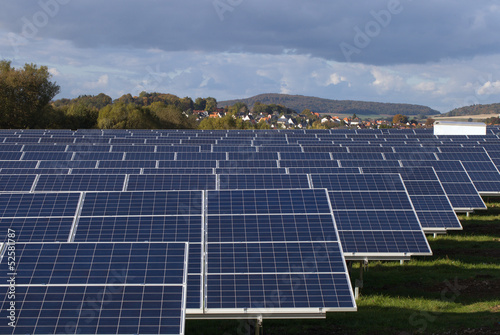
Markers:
25,95
399,119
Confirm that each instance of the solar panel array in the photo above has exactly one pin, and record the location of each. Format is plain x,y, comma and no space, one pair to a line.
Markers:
216,224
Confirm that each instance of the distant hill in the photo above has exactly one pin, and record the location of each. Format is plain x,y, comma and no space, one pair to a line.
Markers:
327,106
474,110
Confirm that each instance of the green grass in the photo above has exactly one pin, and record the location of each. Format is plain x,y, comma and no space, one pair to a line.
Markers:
457,288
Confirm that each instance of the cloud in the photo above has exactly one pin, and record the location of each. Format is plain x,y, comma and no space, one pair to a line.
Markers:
101,83
411,32
489,88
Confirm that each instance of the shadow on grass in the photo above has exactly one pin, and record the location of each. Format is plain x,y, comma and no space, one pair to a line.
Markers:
370,319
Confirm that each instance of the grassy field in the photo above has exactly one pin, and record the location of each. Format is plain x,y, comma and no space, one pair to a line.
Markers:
456,291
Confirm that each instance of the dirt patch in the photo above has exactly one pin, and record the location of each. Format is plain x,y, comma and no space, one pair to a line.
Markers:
481,286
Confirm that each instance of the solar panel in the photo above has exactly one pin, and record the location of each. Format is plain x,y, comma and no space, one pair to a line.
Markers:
308,163
248,164
180,165
148,182
16,183
38,229
368,163
246,278
358,182
323,170
243,182
370,200
246,171
149,156
103,171
97,310
141,203
38,205
66,164
44,155
244,202
171,171
80,183
43,147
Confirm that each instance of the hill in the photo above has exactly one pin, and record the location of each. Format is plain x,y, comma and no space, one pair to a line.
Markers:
327,106
475,110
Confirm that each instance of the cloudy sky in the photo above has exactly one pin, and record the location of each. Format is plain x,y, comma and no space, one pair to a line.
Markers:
440,53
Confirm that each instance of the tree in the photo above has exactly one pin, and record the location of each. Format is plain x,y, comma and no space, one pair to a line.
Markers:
24,95
211,104
199,104
429,122
399,119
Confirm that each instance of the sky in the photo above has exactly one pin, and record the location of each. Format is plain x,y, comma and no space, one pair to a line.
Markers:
440,53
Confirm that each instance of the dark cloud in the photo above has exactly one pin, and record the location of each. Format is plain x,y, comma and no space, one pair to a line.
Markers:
373,32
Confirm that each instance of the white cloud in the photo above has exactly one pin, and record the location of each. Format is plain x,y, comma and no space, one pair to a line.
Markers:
489,88
385,80
53,71
335,79
102,82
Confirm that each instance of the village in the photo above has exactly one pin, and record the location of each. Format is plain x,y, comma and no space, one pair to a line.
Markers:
308,120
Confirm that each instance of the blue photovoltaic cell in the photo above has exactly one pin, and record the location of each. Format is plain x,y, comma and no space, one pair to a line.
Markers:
368,163
194,296
168,171
369,200
97,263
376,220
243,182
38,229
453,177
439,219
197,156
323,170
88,148
126,164
9,147
407,173
479,166
308,163
384,241
133,148
267,202
250,171
49,156
465,156
285,257
187,164
149,156
259,291
434,203
80,183
357,155
459,188
18,164
34,171
248,164
44,147
236,156
142,203
257,228
410,156
305,156
116,171
487,187
66,164
178,148
485,176
427,187
358,182
139,229
10,156
248,148
101,156
38,205
149,182
466,201
96,310
16,183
